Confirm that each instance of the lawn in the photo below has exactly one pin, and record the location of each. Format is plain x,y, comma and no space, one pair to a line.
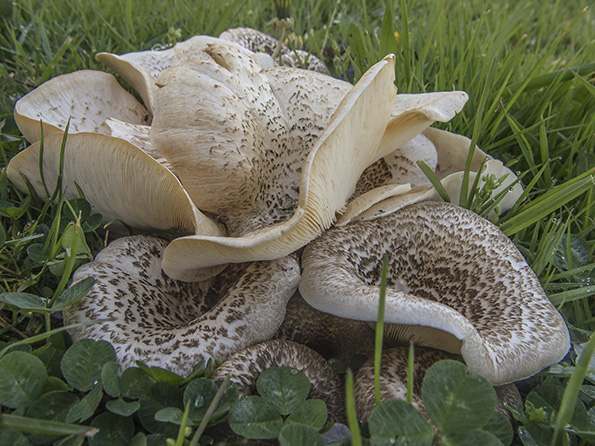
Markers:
529,70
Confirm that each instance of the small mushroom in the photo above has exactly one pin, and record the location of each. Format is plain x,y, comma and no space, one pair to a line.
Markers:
259,42
329,335
171,324
393,381
84,99
455,282
245,366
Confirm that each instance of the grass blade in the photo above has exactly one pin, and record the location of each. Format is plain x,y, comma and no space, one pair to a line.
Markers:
380,331
549,202
356,437
43,427
572,389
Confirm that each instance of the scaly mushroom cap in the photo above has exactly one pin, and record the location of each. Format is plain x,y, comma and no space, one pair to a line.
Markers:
238,154
119,180
86,98
141,69
393,381
275,164
244,368
329,335
396,180
259,42
455,282
171,324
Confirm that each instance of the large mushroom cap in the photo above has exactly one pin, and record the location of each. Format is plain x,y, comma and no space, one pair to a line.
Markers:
274,193
140,69
84,99
118,179
171,324
455,282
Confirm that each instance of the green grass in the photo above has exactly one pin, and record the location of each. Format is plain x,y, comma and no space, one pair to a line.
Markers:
528,67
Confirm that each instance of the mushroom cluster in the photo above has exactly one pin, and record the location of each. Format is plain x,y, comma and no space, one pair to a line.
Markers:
237,164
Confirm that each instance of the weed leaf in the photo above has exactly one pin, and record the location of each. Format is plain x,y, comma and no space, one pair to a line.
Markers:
200,393
134,383
472,438
113,429
85,408
121,407
299,435
160,375
457,401
283,387
73,294
254,417
24,301
22,378
110,379
411,425
159,396
82,363
311,413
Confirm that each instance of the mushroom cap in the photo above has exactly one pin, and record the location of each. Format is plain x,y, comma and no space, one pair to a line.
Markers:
449,270
293,192
413,113
245,366
171,324
119,180
259,42
393,381
396,180
140,69
84,98
331,336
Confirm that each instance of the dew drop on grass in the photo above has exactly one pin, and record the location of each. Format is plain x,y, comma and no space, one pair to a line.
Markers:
199,401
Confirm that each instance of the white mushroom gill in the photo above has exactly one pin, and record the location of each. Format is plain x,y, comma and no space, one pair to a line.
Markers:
83,98
396,180
119,180
465,279
172,324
